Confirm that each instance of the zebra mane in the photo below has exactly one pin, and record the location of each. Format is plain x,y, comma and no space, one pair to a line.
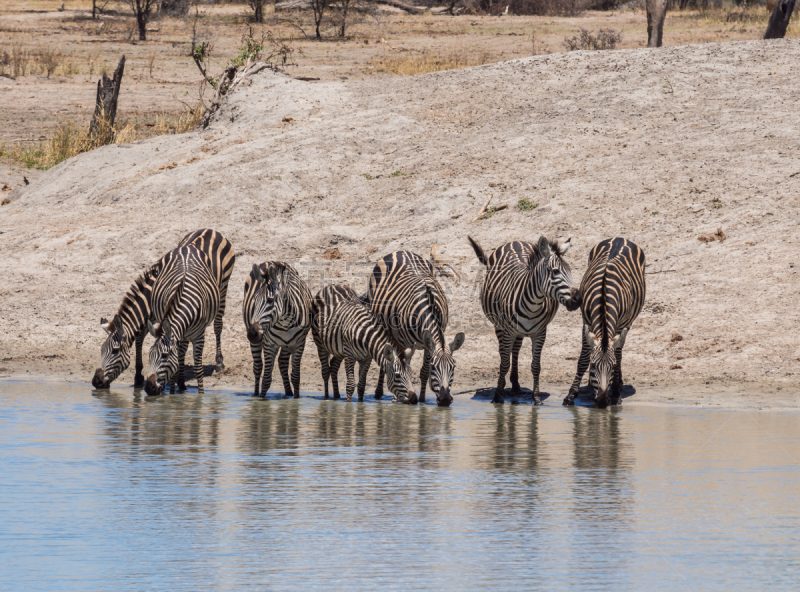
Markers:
130,300
535,256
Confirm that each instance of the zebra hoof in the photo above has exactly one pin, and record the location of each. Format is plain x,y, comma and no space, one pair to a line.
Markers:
219,367
569,400
498,399
378,397
537,401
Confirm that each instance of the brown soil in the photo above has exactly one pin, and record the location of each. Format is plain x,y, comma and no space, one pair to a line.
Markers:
659,146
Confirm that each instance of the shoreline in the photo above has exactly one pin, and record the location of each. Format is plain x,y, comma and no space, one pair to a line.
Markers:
691,396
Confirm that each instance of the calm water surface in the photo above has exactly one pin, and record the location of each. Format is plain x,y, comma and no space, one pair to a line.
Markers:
185,492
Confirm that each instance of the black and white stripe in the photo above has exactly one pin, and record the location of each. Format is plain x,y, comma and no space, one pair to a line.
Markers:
406,298
129,325
185,300
277,314
613,289
345,329
520,296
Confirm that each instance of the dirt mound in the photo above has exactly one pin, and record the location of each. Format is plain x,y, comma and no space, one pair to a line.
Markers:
660,146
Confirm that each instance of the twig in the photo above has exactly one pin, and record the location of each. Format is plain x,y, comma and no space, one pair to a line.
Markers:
483,209
661,271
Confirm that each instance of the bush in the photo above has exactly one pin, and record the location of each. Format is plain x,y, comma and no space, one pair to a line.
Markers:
603,39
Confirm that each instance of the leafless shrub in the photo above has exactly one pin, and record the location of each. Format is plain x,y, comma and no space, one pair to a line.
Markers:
535,7
603,39
20,58
48,59
151,60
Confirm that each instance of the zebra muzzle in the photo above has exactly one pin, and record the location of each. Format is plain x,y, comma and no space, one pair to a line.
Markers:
443,398
99,380
574,301
412,398
254,333
151,386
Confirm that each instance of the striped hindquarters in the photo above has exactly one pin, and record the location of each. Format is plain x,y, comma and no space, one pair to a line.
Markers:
613,287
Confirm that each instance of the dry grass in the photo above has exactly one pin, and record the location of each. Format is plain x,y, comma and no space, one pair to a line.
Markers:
70,139
413,63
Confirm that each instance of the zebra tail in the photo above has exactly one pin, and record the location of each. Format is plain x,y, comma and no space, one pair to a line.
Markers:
478,250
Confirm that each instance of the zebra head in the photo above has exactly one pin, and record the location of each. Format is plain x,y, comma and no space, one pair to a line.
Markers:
115,355
443,366
603,360
269,302
398,376
557,280
163,358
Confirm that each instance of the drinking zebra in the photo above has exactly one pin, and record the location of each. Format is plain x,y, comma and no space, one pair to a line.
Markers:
344,329
277,314
129,325
190,292
520,296
406,298
613,289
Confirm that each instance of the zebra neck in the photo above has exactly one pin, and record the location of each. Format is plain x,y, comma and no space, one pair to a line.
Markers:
376,342
135,307
533,295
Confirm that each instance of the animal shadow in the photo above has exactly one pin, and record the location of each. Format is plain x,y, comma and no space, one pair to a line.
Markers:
585,396
188,371
524,397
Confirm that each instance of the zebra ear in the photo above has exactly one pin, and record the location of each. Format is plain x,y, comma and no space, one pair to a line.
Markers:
257,273
565,246
105,325
544,247
153,329
593,338
388,353
427,341
275,275
167,330
458,341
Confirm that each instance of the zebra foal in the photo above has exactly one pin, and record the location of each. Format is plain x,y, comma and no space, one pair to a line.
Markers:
520,296
613,289
277,315
344,329
190,290
408,301
129,325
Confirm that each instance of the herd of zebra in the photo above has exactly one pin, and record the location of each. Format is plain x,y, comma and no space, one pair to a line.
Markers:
403,310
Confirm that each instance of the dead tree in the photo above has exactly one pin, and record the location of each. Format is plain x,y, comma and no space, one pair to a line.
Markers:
105,107
345,9
779,19
319,7
142,10
258,10
174,7
656,13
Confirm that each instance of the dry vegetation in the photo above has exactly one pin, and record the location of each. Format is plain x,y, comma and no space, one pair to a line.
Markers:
52,53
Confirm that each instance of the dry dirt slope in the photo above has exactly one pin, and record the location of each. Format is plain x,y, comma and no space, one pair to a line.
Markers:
638,143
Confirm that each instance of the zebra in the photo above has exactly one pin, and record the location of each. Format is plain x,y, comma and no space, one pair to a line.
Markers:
524,285
613,289
406,298
277,315
129,325
343,327
190,290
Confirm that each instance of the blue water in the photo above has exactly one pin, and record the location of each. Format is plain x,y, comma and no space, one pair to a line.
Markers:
186,492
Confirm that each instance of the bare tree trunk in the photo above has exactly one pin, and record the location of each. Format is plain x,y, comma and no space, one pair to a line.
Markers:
656,13
345,7
779,19
94,9
105,108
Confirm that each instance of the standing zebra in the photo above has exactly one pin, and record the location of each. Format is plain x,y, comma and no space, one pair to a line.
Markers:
130,322
188,287
277,314
613,289
406,298
343,327
524,285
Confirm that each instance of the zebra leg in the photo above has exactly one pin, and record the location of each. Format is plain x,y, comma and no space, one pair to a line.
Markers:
536,364
515,389
283,366
506,344
138,378
363,368
172,386
323,362
424,374
181,378
583,364
335,363
616,384
197,353
349,368
223,293
297,356
258,365
270,351
379,388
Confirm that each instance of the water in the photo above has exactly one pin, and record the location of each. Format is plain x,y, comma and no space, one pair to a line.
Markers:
223,492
